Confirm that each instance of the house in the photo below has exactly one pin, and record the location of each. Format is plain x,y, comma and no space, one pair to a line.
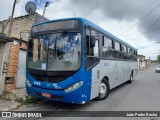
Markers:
141,62
12,55
148,62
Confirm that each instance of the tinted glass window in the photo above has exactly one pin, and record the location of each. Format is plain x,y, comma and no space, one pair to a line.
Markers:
117,46
92,52
107,47
95,49
124,49
107,42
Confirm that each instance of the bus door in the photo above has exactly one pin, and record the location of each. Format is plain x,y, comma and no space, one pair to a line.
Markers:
92,60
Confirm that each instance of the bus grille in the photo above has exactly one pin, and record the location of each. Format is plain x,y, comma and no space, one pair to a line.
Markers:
48,79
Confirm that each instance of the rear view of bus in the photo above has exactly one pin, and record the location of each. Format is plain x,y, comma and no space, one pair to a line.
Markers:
73,60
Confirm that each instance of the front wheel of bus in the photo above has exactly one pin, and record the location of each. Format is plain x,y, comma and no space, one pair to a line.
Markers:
104,89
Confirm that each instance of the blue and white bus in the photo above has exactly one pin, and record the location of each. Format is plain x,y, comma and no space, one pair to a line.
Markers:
73,60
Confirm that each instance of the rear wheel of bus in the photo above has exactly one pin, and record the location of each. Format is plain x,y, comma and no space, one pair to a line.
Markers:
131,78
104,89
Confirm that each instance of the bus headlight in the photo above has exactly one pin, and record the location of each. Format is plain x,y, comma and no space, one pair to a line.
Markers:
74,86
28,83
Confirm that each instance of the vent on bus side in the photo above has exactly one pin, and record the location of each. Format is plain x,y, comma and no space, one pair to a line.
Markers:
51,79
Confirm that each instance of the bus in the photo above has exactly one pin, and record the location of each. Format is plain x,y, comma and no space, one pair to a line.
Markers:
73,60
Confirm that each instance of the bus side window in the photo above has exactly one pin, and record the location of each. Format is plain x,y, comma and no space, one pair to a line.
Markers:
130,54
107,47
92,50
117,54
124,52
95,50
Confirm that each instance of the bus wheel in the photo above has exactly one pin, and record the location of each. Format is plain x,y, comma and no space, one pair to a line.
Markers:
104,89
131,78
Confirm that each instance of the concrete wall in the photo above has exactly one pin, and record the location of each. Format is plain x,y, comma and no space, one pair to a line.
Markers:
20,24
1,51
1,61
141,62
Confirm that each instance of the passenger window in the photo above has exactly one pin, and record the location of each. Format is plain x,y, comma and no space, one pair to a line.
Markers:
124,52
95,50
131,54
117,53
124,49
117,46
107,47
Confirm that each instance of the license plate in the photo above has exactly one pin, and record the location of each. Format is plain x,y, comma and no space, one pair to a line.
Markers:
46,95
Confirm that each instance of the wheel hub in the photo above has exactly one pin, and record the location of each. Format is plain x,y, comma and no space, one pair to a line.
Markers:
103,88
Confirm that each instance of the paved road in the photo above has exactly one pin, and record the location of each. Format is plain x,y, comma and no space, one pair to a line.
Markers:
142,95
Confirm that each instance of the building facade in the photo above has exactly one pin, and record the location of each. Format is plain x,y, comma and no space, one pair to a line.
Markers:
142,62
3,66
14,60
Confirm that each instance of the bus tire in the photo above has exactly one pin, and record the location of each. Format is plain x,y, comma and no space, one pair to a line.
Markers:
131,78
103,90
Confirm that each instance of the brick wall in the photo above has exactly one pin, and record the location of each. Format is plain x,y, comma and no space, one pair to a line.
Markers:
13,65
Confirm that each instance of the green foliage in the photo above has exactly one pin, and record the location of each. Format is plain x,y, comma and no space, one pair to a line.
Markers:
158,58
28,100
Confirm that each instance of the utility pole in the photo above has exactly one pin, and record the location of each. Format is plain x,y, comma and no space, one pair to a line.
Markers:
11,19
46,5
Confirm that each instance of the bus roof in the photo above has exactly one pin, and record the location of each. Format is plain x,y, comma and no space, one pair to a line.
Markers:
87,22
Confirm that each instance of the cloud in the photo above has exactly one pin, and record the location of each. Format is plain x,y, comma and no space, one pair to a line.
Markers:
124,10
5,8
115,16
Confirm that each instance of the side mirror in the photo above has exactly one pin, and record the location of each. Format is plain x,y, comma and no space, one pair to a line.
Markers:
92,41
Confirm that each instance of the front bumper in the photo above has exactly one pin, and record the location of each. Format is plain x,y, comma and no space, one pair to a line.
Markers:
57,95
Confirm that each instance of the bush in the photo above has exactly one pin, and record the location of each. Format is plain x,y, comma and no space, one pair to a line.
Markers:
28,100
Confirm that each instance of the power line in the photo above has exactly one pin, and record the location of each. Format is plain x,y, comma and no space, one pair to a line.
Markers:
148,29
142,18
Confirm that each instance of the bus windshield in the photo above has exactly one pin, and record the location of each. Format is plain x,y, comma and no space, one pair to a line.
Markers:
55,52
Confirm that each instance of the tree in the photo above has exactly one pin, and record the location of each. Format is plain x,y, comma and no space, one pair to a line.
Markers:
158,58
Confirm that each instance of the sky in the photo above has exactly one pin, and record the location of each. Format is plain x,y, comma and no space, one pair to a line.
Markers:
136,22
